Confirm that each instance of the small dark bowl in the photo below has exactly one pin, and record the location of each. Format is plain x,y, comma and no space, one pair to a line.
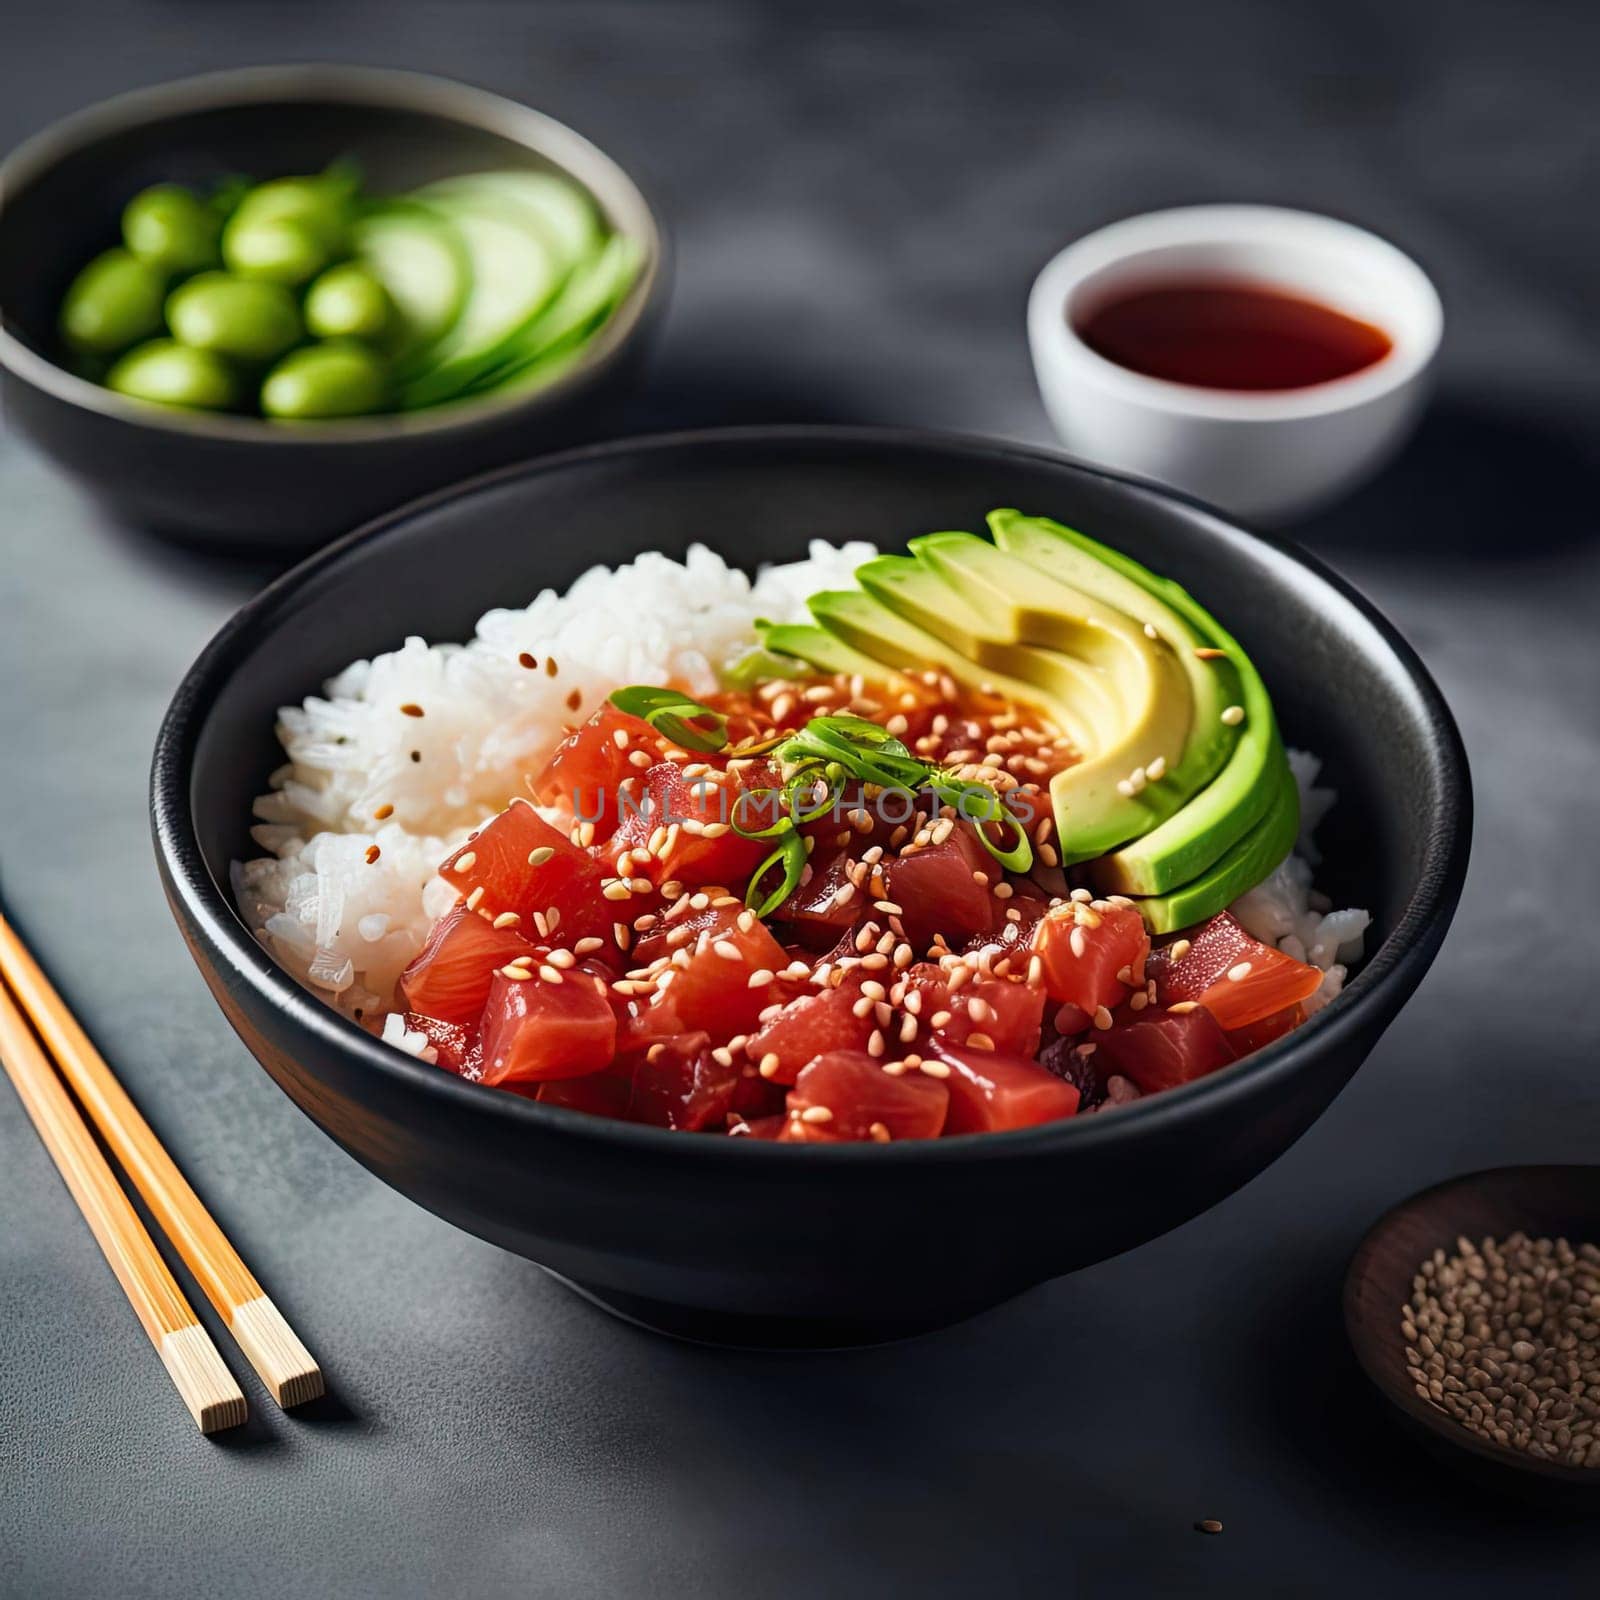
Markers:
763,1243
1548,1202
243,481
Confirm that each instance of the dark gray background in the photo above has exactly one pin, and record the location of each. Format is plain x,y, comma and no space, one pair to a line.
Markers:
860,196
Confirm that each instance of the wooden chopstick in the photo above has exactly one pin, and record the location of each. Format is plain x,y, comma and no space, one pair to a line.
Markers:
285,1365
208,1389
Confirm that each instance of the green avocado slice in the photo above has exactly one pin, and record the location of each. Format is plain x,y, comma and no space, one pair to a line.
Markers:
1241,866
1095,807
864,622
1045,547
1030,600
816,647
1227,808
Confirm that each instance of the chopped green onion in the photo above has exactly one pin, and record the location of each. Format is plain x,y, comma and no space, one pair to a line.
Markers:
791,853
674,715
827,751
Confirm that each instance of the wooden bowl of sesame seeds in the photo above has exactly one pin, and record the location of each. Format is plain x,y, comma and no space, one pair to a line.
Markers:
1474,1307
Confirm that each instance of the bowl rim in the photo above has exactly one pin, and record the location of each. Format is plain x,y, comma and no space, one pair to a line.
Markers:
1371,998
1363,1336
448,99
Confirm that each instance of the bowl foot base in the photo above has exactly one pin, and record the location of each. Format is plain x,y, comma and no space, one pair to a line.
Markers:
735,1330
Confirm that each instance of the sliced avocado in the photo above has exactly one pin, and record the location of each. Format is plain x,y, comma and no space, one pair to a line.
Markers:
871,627
1223,812
1047,548
1029,603
806,643
1241,866
1096,809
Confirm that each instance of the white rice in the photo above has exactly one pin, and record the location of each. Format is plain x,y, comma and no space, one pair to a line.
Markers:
346,928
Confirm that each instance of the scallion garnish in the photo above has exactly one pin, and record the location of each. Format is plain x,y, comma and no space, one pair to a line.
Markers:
791,854
816,762
674,715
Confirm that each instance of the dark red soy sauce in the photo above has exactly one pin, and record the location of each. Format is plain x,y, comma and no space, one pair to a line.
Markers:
1220,334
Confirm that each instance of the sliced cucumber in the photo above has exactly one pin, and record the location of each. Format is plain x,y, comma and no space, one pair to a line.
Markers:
516,269
590,294
421,261
559,209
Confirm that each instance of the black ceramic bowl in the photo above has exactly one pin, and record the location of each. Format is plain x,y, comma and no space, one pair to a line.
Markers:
764,1243
244,481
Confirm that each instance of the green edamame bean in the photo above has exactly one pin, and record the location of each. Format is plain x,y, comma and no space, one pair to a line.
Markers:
278,250
336,379
246,318
113,303
347,302
174,374
172,229
318,204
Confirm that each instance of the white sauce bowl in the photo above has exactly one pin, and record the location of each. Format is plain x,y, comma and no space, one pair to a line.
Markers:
1259,454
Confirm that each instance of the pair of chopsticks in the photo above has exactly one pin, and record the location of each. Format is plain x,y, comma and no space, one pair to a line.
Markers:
207,1387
